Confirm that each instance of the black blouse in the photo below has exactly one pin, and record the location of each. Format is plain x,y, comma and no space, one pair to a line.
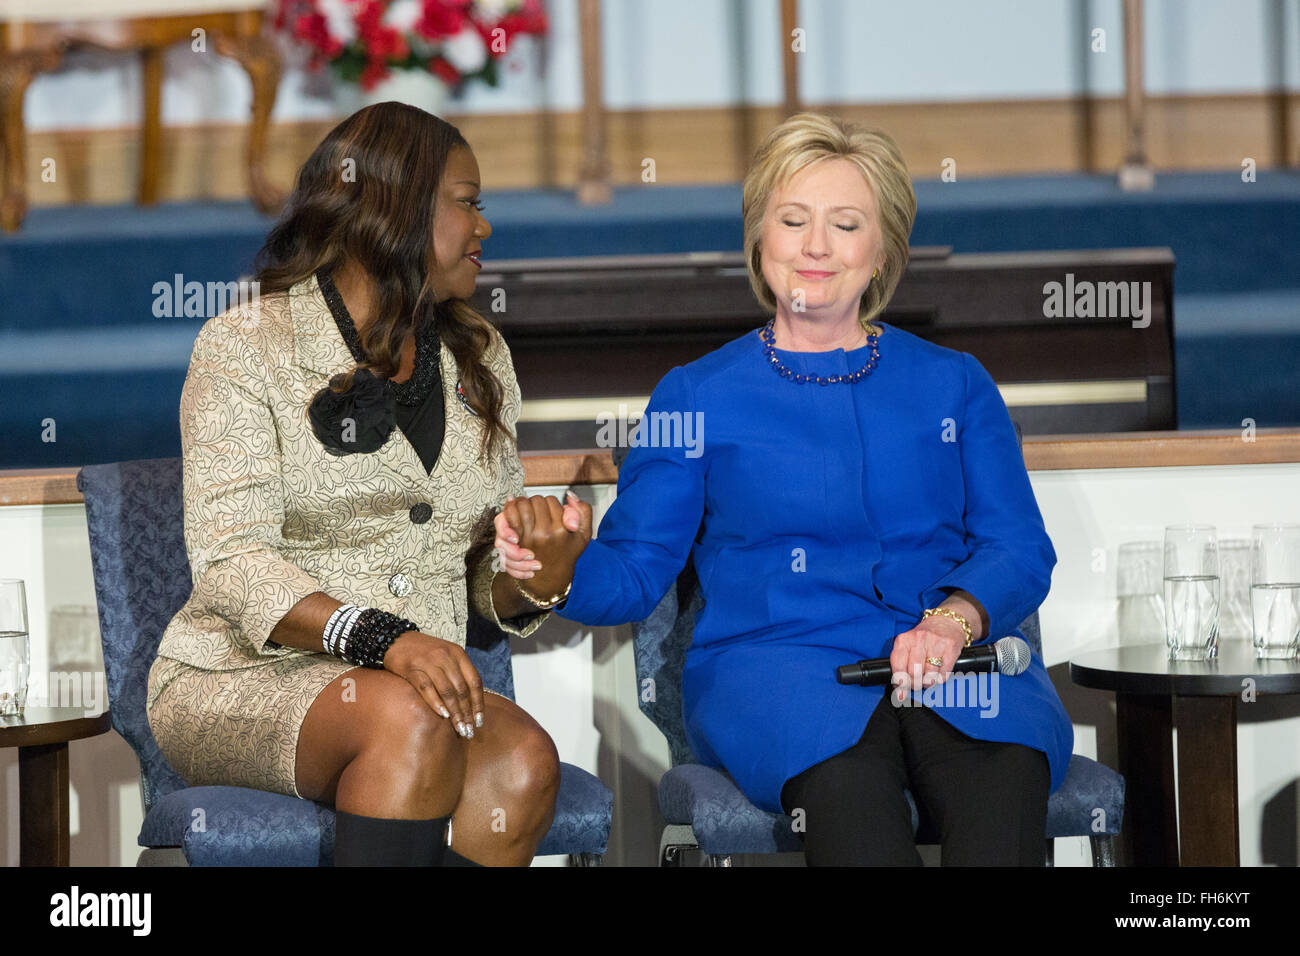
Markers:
424,426
421,412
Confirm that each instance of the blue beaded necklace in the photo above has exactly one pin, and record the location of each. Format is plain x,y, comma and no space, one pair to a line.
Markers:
768,335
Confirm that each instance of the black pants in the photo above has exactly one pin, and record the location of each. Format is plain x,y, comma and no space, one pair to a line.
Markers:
987,801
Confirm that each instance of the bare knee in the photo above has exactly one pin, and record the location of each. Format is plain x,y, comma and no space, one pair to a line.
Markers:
537,766
410,756
528,780
514,769
406,729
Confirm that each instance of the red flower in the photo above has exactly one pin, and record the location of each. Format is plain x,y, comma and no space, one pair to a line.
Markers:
384,46
375,72
311,28
529,18
380,41
442,18
444,71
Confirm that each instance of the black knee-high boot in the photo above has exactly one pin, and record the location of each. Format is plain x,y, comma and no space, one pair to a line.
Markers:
451,858
376,841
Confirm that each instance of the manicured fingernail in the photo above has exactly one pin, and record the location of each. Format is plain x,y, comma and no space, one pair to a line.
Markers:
537,565
478,720
443,711
460,728
469,732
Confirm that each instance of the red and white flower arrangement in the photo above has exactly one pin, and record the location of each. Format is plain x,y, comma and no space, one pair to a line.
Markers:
364,40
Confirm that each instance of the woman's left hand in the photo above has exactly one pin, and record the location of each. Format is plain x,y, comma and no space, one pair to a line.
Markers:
936,636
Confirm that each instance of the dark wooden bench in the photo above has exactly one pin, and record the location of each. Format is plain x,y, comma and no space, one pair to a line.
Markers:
602,329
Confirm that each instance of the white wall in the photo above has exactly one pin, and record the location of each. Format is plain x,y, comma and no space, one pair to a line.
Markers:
696,53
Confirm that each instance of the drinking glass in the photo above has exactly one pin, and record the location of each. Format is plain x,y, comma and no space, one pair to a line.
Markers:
1140,591
1275,590
1191,592
15,652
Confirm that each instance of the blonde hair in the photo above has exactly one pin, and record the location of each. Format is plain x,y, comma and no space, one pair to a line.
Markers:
808,138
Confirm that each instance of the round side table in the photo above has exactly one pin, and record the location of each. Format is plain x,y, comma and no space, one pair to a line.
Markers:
41,735
1153,695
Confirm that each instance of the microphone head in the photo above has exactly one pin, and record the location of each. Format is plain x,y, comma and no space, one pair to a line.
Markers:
1014,656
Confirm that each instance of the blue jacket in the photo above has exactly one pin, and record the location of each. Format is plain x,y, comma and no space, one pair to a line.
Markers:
828,519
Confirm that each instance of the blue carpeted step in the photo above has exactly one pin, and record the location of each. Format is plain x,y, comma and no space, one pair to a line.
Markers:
97,417
1238,357
81,266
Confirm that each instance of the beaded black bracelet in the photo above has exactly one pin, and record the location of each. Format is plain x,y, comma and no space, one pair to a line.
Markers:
372,635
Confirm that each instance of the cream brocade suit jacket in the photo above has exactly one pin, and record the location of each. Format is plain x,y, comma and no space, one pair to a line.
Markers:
271,516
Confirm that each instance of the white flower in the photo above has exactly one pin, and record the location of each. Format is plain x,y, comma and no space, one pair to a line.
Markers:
339,20
491,10
403,15
466,50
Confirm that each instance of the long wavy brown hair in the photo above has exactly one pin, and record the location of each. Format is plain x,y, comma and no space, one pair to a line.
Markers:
382,216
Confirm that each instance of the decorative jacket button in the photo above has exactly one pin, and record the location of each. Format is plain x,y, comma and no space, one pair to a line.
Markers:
399,584
421,513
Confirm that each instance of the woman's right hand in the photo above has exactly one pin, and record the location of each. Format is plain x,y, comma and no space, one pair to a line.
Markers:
443,675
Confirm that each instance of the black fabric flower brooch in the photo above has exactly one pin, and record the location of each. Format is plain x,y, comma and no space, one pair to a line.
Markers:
356,421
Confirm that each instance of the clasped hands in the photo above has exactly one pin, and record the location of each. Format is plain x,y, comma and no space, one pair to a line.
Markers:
539,541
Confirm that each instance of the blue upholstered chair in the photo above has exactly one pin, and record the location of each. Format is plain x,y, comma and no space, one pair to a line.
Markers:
142,577
705,810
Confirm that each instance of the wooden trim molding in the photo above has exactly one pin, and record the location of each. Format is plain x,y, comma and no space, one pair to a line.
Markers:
1162,449
58,486
39,486
544,149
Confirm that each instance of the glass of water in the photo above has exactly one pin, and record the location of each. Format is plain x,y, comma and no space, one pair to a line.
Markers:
15,655
1275,590
1141,592
1235,558
1192,592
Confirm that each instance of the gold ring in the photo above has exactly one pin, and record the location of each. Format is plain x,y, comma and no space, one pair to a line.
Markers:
934,661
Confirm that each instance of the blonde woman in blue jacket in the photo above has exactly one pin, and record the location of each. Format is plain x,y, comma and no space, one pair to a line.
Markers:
859,493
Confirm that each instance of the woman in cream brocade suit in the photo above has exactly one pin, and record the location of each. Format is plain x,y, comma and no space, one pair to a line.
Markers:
273,517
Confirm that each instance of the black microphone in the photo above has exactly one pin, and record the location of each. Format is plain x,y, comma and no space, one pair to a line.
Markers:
1010,656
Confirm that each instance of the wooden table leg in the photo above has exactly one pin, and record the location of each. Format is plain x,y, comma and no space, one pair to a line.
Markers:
44,831
16,72
261,61
151,130
1208,828
1144,725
